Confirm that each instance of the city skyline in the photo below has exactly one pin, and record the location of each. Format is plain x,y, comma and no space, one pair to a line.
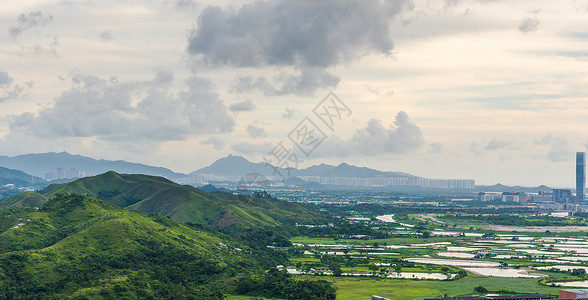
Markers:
490,90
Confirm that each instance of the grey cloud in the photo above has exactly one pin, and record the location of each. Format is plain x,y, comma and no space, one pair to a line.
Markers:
9,91
185,4
303,83
5,79
375,139
435,148
559,150
106,36
309,36
529,24
256,132
378,91
452,3
475,148
289,112
109,110
250,148
29,21
495,144
217,143
246,105
50,48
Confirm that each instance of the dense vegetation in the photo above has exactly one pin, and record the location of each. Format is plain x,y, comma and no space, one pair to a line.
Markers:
184,204
81,247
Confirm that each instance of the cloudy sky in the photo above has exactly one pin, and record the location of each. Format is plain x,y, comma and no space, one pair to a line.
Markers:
485,89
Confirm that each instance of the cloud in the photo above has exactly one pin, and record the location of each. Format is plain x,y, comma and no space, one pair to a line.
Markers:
308,36
256,132
475,148
30,21
238,107
5,79
435,148
106,36
9,91
303,83
50,47
185,4
289,113
214,141
378,91
559,150
495,144
129,111
249,148
529,24
401,138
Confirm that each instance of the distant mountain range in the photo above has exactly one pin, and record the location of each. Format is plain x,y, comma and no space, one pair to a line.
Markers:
39,164
504,188
239,166
18,169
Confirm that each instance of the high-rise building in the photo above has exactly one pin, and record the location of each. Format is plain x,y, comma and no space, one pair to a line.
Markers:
580,175
562,195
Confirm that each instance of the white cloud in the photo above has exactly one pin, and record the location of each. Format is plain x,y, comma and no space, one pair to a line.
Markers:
529,24
29,21
129,111
559,150
289,112
217,143
256,132
251,148
246,105
495,144
403,137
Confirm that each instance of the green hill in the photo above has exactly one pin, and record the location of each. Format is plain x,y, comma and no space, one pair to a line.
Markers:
186,204
78,246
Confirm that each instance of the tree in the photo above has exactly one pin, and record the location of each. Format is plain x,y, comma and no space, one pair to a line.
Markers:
373,268
578,272
480,289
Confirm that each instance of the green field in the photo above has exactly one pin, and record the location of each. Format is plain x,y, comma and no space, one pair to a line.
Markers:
365,287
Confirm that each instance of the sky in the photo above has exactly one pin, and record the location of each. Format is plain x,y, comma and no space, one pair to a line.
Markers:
491,90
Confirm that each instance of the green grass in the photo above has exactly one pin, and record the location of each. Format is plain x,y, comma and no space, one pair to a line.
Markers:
91,244
157,195
365,287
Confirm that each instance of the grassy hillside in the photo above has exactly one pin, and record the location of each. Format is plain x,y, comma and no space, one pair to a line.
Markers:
185,204
78,246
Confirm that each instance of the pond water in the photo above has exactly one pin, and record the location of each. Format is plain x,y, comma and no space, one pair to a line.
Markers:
389,219
456,254
570,249
454,248
539,252
562,268
445,233
453,262
397,246
573,258
432,244
438,276
521,245
504,272
504,256
574,284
